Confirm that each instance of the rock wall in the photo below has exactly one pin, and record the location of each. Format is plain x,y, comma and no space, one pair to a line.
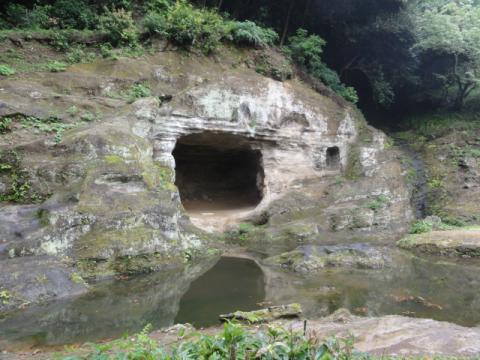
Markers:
101,195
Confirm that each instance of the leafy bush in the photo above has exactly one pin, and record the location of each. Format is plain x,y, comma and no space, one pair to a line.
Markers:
249,33
6,70
119,27
21,17
187,26
306,50
74,14
17,15
421,227
138,91
157,5
234,342
5,124
56,66
78,55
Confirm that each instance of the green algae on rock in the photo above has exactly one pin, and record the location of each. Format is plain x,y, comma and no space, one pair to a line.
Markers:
462,242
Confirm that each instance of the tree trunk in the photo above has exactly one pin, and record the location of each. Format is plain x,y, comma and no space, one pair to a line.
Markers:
287,23
220,3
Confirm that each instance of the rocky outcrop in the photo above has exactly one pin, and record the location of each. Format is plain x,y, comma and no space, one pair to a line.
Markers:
31,281
88,173
398,335
464,243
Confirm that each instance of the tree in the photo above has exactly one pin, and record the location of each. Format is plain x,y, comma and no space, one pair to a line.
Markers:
448,35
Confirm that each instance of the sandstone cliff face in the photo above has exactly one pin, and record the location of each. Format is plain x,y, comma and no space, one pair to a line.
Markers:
101,196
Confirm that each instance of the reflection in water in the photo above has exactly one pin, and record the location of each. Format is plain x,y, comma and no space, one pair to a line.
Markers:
232,284
110,309
434,288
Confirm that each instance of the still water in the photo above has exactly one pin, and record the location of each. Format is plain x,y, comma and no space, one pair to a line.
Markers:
420,287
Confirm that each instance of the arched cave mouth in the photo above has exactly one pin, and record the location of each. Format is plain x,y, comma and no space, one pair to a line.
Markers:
216,172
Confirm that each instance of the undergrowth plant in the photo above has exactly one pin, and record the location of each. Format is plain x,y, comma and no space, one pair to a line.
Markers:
6,70
234,342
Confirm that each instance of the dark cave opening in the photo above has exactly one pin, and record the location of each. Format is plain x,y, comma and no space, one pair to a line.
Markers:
333,158
218,172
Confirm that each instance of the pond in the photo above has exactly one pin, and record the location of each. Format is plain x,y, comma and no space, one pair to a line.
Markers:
412,286
161,299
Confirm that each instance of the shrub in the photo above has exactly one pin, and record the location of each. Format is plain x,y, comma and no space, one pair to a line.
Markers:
306,50
5,124
187,26
138,91
17,15
56,66
249,33
6,70
74,14
78,55
234,342
421,227
119,27
157,5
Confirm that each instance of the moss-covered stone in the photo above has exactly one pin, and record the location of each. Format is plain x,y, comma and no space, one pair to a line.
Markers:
464,243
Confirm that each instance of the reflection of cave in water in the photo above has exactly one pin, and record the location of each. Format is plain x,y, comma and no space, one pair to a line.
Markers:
199,293
232,284
113,308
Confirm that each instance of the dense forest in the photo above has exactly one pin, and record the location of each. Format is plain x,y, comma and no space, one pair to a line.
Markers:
395,56
408,55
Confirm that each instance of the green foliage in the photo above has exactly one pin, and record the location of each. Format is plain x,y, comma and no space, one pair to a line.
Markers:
56,66
119,27
306,50
59,41
106,50
17,15
135,92
185,25
6,70
234,342
5,297
421,227
250,34
377,203
65,14
443,123
138,91
451,30
77,54
50,125
157,5
21,17
427,225
5,124
19,190
73,14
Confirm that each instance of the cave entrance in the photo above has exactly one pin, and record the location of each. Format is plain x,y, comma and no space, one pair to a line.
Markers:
333,158
219,176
